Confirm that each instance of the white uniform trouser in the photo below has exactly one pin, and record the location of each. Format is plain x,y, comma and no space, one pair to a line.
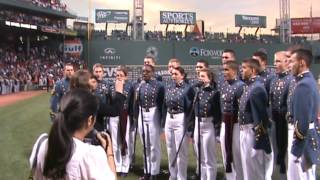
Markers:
295,171
208,148
122,162
254,162
174,130
132,136
274,148
151,122
237,172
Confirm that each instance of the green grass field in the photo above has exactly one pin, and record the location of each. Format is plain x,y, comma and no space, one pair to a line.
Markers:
21,123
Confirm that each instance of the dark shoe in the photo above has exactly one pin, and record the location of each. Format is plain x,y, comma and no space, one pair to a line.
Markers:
194,177
145,177
154,177
124,174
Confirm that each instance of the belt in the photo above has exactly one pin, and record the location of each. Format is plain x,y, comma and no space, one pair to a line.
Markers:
205,119
311,125
147,109
174,115
245,126
171,111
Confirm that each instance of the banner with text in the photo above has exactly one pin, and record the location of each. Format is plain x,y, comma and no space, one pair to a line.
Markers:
305,25
250,21
170,17
112,16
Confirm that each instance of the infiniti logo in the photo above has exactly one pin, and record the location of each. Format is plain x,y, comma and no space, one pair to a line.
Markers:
110,51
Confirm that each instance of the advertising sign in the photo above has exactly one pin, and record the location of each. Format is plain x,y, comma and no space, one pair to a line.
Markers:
112,16
250,21
305,25
170,17
73,47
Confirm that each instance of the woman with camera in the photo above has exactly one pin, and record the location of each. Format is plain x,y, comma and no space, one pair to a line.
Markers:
64,155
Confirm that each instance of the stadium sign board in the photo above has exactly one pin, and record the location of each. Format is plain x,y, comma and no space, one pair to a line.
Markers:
73,47
305,25
171,17
112,16
250,21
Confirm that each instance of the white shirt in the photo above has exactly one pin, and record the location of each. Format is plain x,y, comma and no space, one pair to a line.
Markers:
87,162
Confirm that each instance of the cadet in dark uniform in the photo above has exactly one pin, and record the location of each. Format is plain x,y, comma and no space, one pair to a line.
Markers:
102,91
304,153
172,64
227,55
253,119
200,65
60,88
231,92
120,125
266,75
279,91
150,60
208,115
150,95
177,107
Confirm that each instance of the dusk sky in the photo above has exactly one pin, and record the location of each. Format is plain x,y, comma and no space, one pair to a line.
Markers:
218,15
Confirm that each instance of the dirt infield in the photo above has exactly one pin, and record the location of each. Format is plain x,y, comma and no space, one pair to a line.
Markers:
15,97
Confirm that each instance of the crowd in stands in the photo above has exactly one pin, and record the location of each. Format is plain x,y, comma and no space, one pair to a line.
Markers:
20,17
192,36
38,70
49,4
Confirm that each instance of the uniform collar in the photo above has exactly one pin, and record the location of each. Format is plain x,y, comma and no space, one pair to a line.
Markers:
251,80
302,75
283,74
231,81
179,84
263,73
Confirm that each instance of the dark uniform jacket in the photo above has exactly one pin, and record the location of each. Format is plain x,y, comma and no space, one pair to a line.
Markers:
148,94
178,99
60,88
305,106
253,110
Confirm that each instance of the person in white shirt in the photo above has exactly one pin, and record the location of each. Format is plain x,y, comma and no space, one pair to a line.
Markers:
64,155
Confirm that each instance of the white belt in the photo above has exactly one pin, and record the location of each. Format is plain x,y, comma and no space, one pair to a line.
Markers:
206,119
246,126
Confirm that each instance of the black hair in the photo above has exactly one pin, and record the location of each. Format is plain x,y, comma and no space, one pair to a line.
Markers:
75,109
210,75
263,56
305,55
231,51
182,72
232,65
204,62
254,64
151,67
